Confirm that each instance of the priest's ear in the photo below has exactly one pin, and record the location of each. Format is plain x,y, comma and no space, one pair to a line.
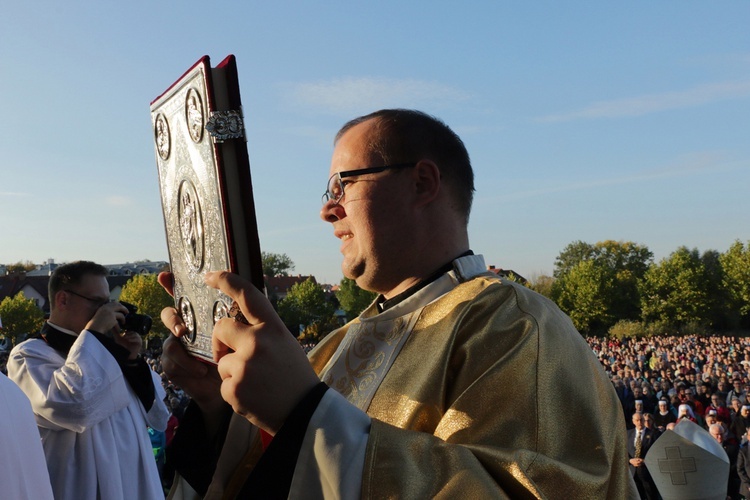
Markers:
427,181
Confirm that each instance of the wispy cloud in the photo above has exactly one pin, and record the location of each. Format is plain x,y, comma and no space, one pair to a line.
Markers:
351,94
685,166
118,201
643,105
13,193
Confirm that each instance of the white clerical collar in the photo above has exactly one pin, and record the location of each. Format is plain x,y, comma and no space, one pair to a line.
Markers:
64,330
463,269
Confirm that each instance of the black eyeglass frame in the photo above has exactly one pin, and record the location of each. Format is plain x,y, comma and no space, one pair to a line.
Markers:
328,196
96,302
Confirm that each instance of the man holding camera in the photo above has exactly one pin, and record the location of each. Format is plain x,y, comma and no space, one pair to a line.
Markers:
92,394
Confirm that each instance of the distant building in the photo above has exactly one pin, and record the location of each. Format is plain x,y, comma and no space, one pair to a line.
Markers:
506,273
142,267
278,287
34,283
33,287
44,269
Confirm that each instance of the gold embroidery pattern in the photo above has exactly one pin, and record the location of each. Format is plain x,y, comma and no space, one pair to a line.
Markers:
361,366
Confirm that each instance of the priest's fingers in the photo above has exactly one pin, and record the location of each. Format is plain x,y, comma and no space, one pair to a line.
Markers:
177,362
172,320
265,372
263,389
254,305
228,334
166,280
200,380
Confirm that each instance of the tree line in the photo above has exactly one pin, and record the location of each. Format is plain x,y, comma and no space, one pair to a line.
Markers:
607,288
615,288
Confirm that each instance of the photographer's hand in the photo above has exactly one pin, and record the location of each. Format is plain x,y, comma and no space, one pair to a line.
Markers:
130,341
108,318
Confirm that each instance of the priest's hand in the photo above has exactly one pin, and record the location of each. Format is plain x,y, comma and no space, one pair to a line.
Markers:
200,380
265,372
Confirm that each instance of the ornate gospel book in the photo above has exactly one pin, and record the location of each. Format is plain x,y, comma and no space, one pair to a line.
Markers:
206,193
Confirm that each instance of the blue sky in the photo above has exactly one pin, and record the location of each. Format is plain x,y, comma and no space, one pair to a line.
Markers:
584,120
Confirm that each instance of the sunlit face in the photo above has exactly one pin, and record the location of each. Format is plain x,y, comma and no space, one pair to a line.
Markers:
717,434
638,421
372,220
81,302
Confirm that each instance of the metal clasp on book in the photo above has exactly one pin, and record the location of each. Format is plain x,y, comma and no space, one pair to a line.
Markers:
223,125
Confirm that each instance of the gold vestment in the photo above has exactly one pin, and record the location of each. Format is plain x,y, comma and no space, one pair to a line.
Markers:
486,391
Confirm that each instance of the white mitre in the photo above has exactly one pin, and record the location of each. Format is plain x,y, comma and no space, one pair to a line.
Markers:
688,464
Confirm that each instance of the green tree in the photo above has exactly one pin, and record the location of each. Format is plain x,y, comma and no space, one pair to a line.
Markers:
352,298
674,291
571,255
144,292
716,292
276,264
735,264
305,304
618,266
542,285
19,315
582,293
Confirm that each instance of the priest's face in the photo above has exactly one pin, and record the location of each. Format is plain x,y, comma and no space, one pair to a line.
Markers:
372,217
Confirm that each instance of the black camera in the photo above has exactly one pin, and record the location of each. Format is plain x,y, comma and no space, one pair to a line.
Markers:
139,323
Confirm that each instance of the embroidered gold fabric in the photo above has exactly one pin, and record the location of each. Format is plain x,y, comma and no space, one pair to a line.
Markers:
493,394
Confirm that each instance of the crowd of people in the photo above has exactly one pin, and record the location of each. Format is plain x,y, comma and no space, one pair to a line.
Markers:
661,380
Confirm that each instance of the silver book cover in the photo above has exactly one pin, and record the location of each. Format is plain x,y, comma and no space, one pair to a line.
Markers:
206,194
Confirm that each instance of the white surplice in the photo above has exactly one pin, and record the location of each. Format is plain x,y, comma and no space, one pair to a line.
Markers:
24,472
92,424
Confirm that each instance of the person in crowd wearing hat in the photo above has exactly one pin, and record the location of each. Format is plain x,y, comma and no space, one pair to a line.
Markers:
640,439
729,443
663,415
685,411
743,465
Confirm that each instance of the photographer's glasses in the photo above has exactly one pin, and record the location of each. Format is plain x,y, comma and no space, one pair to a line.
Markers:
335,188
97,302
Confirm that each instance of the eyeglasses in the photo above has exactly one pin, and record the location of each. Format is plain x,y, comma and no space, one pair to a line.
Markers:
335,187
97,302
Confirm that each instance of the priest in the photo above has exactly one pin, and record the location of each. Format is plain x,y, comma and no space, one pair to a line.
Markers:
453,383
